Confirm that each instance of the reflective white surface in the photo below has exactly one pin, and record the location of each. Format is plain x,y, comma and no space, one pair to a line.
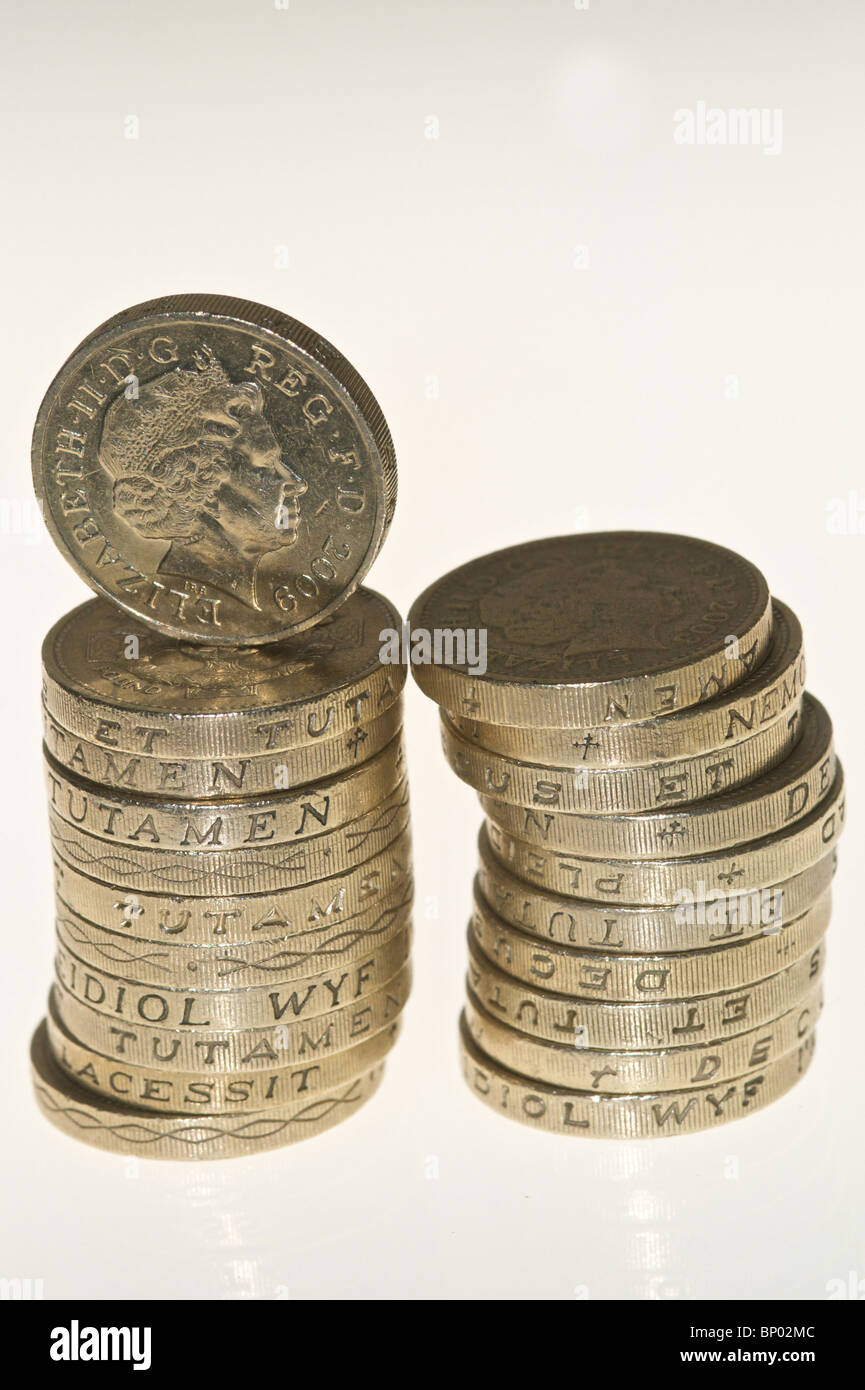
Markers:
570,322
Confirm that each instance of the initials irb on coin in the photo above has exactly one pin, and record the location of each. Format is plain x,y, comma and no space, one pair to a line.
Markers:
216,468
594,629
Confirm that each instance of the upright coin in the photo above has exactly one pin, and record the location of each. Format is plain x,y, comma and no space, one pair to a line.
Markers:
585,630
216,468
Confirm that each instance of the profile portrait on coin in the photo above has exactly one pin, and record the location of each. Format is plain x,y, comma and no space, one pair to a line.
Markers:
194,462
536,610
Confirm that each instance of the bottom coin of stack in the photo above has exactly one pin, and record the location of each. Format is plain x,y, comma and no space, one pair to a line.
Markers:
647,939
230,968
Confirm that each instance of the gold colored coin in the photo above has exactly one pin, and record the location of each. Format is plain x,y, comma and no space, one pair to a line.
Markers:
285,818
252,963
651,790
559,1110
641,978
215,469
107,1124
590,629
619,1027
678,881
776,800
220,1051
113,682
307,912
605,791
214,873
720,918
260,1006
189,1093
627,1073
698,749
215,778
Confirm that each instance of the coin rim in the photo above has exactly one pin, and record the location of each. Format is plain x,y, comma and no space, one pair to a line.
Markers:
277,327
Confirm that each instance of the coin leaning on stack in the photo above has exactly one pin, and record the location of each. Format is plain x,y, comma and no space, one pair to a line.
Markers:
663,802
224,760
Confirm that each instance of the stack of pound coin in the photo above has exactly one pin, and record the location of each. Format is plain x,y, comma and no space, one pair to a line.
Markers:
224,761
662,802
233,881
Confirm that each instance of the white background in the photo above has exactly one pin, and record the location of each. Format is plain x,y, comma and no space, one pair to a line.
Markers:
571,322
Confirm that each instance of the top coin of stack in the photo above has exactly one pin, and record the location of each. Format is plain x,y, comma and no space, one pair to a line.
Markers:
662,802
215,468
223,748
